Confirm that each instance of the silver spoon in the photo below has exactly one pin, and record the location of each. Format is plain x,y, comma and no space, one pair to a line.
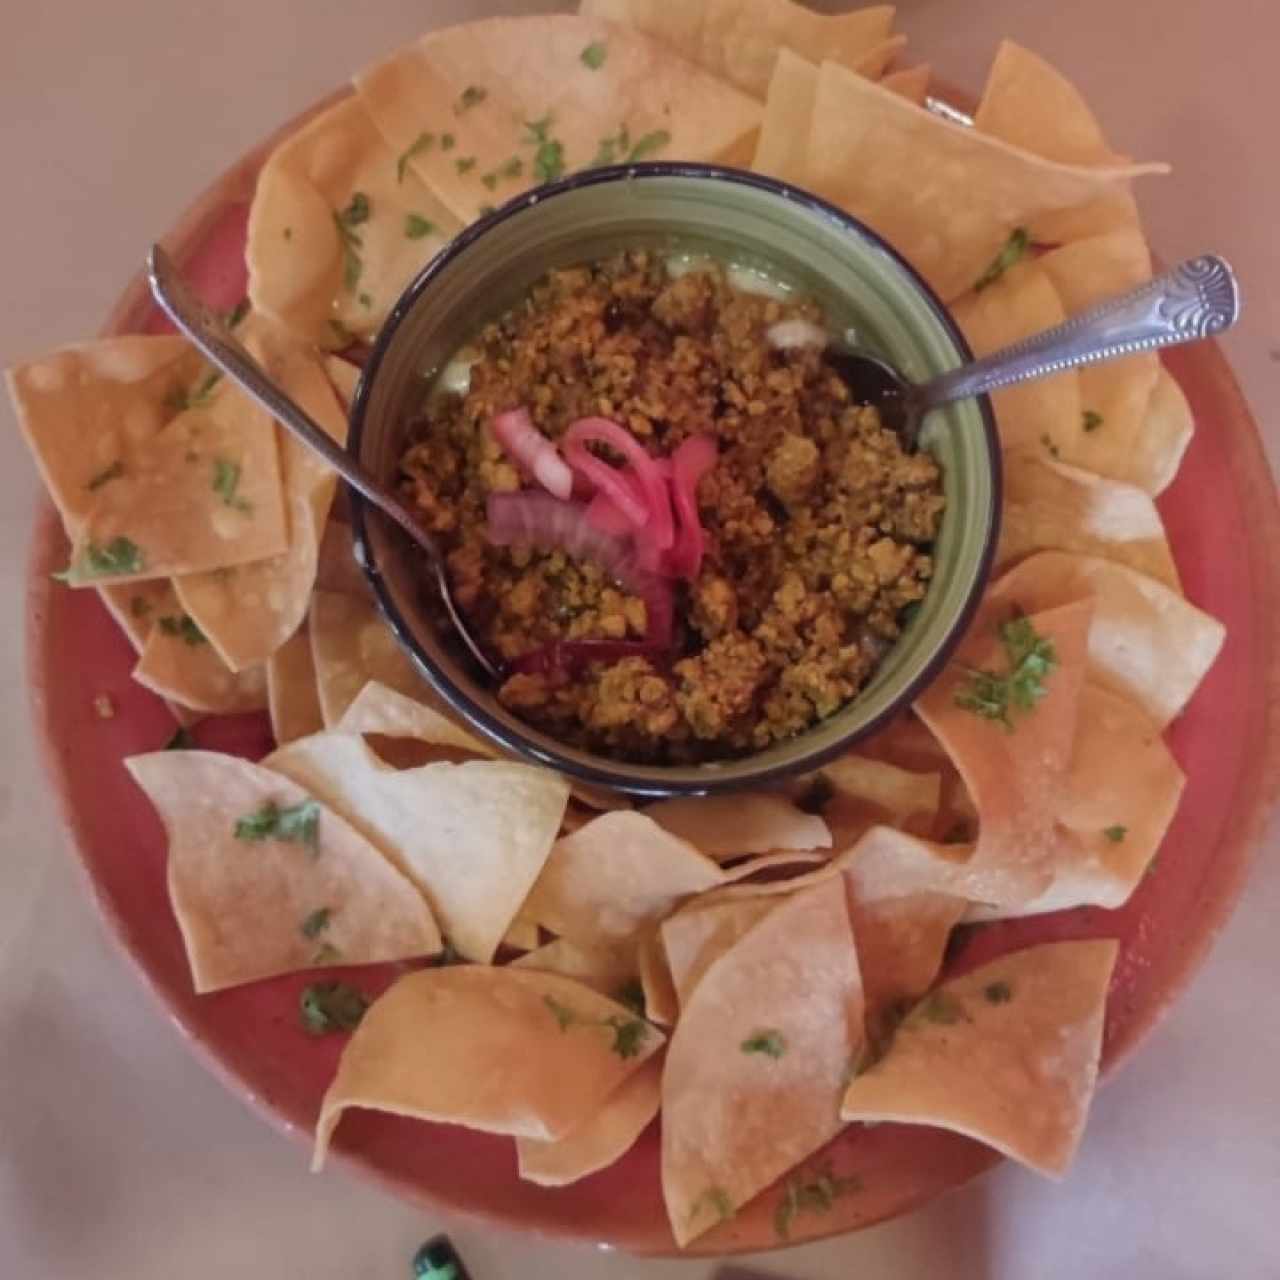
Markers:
213,337
1197,299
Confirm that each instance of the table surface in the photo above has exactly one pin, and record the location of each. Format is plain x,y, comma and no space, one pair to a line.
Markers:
119,1156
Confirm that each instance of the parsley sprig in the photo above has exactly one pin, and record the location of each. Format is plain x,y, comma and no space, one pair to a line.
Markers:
355,214
629,1034
996,695
298,824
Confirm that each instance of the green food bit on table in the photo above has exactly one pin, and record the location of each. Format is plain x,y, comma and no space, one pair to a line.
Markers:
1014,249
331,1006
997,695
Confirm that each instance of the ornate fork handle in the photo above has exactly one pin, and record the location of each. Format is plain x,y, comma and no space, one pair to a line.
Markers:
1197,299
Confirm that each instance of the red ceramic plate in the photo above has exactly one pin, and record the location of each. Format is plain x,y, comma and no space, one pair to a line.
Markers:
1224,525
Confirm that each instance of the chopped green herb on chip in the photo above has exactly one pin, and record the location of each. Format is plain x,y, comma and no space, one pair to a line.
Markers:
317,922
1116,834
996,695
771,1043
226,482
182,628
472,96
1014,249
416,226
595,54
1091,420
299,824
647,145
419,146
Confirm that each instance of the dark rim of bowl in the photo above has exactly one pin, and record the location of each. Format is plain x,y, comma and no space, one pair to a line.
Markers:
618,775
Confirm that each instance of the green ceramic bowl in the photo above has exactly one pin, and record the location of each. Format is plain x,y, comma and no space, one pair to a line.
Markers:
862,284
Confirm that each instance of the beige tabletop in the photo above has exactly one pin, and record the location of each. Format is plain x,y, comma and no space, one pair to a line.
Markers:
120,1158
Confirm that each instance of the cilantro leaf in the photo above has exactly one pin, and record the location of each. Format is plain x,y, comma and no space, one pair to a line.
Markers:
419,146
105,476
357,211
184,628
769,1042
647,145
594,55
490,181
815,1192
1032,660
1091,420
997,992
317,922
226,481
299,824
1116,834
416,226
331,1006
612,149
564,1016
464,165
178,400
119,556
447,142
1014,249
472,96
629,1035
548,158
715,1199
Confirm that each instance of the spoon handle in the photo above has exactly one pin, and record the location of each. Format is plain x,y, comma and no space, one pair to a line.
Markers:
217,343
1197,299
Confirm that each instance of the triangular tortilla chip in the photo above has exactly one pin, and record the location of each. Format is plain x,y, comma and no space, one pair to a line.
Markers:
292,697
1022,302
520,101
1122,793
147,487
380,710
1008,1055
945,196
337,231
177,663
338,570
1146,643
740,40
788,116
758,1061
911,83
1114,395
529,1054
1165,436
867,791
136,605
473,837
522,935
599,1141
661,1004
351,646
250,611
1015,772
875,62
731,826
694,938
603,969
1049,506
611,877
255,905
1032,105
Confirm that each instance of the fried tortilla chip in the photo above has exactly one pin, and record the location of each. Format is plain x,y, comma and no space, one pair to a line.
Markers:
740,40
1122,794
730,826
338,571
1008,1055
866,791
344,377
661,1004
615,875
1022,302
156,466
292,697
522,935
758,1061
694,938
1146,643
911,83
473,837
1165,436
266,881
601,1140
945,196
529,1054
875,62
338,229
525,100
603,969
788,116
1015,767
1049,506
351,646
1032,105
1115,395
248,612
178,663
380,710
